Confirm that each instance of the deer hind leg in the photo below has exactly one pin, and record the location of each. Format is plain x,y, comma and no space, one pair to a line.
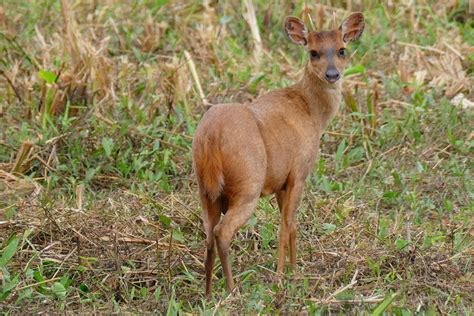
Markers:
293,244
240,210
211,216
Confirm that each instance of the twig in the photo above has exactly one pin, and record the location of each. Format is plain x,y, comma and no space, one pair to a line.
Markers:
22,155
251,19
141,241
84,237
371,299
13,87
454,256
53,139
422,47
192,68
396,102
342,289
79,196
170,249
310,18
175,133
453,50
221,301
6,223
44,163
190,210
64,260
337,134
38,283
116,253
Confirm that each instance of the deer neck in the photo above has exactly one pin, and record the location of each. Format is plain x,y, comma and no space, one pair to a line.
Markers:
323,98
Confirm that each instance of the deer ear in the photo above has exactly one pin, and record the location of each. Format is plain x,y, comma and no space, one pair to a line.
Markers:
352,27
296,31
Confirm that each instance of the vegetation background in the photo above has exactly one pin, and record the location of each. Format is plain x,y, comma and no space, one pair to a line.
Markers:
98,206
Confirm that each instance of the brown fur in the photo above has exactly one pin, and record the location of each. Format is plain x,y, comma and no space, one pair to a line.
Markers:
244,151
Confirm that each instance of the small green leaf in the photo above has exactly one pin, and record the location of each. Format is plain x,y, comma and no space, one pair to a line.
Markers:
7,286
9,251
47,76
448,205
350,100
345,295
225,19
108,145
58,290
166,157
340,150
89,259
178,235
165,220
157,293
386,303
252,222
397,179
161,3
66,281
357,69
339,154
90,174
38,277
401,244
390,195
84,288
143,292
329,228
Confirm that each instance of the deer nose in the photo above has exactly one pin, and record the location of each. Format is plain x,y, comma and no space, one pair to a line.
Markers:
332,75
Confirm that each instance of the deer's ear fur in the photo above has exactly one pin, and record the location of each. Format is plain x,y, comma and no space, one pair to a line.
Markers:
296,31
352,27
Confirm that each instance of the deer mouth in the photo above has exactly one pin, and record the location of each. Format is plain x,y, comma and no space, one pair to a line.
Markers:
331,80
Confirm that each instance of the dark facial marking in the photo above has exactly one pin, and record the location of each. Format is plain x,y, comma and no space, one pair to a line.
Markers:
314,54
332,74
342,52
329,53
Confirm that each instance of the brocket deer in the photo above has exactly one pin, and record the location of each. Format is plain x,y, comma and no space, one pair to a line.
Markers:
244,151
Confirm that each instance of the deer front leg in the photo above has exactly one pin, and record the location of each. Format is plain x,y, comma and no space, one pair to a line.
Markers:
288,202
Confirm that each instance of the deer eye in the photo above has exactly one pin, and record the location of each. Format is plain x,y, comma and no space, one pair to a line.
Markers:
314,54
342,52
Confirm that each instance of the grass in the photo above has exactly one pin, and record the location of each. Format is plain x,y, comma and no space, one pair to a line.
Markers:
98,202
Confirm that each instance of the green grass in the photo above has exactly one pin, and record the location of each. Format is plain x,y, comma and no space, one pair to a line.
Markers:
101,213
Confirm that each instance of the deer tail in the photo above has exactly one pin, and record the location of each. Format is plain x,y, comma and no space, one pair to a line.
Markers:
208,168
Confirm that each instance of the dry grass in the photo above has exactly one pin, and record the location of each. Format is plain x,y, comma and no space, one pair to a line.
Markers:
97,113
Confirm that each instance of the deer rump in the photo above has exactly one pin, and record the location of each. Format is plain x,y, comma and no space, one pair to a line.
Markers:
228,151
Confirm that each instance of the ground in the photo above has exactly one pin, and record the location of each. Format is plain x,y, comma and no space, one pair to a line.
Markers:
99,210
